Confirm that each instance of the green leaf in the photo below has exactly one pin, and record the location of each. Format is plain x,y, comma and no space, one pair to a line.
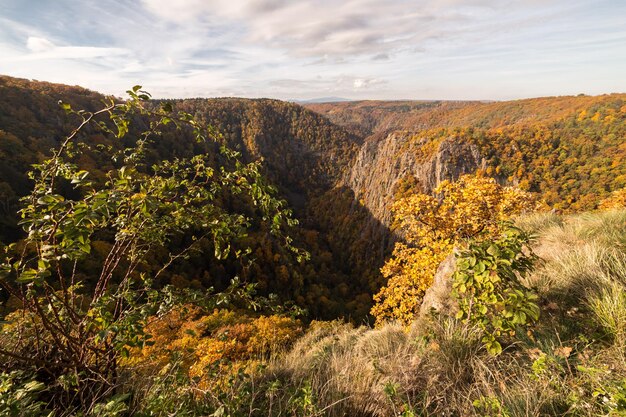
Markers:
494,348
50,199
519,317
33,386
493,250
79,177
27,275
462,264
5,271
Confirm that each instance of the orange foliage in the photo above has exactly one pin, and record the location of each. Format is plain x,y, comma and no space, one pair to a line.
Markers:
617,200
209,348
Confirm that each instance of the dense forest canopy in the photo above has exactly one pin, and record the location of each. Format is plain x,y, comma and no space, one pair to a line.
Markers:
568,149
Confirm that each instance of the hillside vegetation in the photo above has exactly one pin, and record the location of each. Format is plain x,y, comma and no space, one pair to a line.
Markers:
303,154
569,150
233,257
572,364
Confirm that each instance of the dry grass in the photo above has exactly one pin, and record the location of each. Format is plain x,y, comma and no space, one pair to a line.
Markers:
535,223
348,368
581,254
435,368
609,311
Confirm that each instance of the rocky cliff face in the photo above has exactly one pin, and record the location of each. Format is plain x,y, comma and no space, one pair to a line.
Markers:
385,160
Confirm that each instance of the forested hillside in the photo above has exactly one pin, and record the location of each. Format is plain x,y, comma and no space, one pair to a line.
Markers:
303,154
342,171
568,150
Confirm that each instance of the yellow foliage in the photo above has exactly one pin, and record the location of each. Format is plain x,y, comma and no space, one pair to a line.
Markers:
409,272
211,348
174,332
431,227
19,323
271,333
617,200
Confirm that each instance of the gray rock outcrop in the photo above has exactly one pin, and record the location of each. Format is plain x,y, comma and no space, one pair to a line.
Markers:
439,296
384,160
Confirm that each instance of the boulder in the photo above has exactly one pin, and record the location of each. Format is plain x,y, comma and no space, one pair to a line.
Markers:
439,296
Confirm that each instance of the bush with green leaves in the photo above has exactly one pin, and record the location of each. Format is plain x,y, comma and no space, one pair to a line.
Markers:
487,285
489,407
72,328
19,395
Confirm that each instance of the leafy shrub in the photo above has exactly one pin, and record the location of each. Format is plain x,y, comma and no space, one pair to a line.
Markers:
20,395
490,407
487,285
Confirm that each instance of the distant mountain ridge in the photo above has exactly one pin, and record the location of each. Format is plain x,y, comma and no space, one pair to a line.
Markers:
568,149
323,100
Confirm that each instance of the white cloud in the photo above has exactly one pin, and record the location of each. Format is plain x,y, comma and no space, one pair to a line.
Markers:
306,28
43,49
36,44
362,83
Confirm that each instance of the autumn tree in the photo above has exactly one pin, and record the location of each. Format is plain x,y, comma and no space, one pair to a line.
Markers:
430,227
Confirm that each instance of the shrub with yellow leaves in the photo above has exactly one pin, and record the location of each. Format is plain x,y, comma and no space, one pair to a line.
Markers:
431,226
211,347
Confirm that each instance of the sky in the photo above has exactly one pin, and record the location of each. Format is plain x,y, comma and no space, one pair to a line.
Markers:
304,49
